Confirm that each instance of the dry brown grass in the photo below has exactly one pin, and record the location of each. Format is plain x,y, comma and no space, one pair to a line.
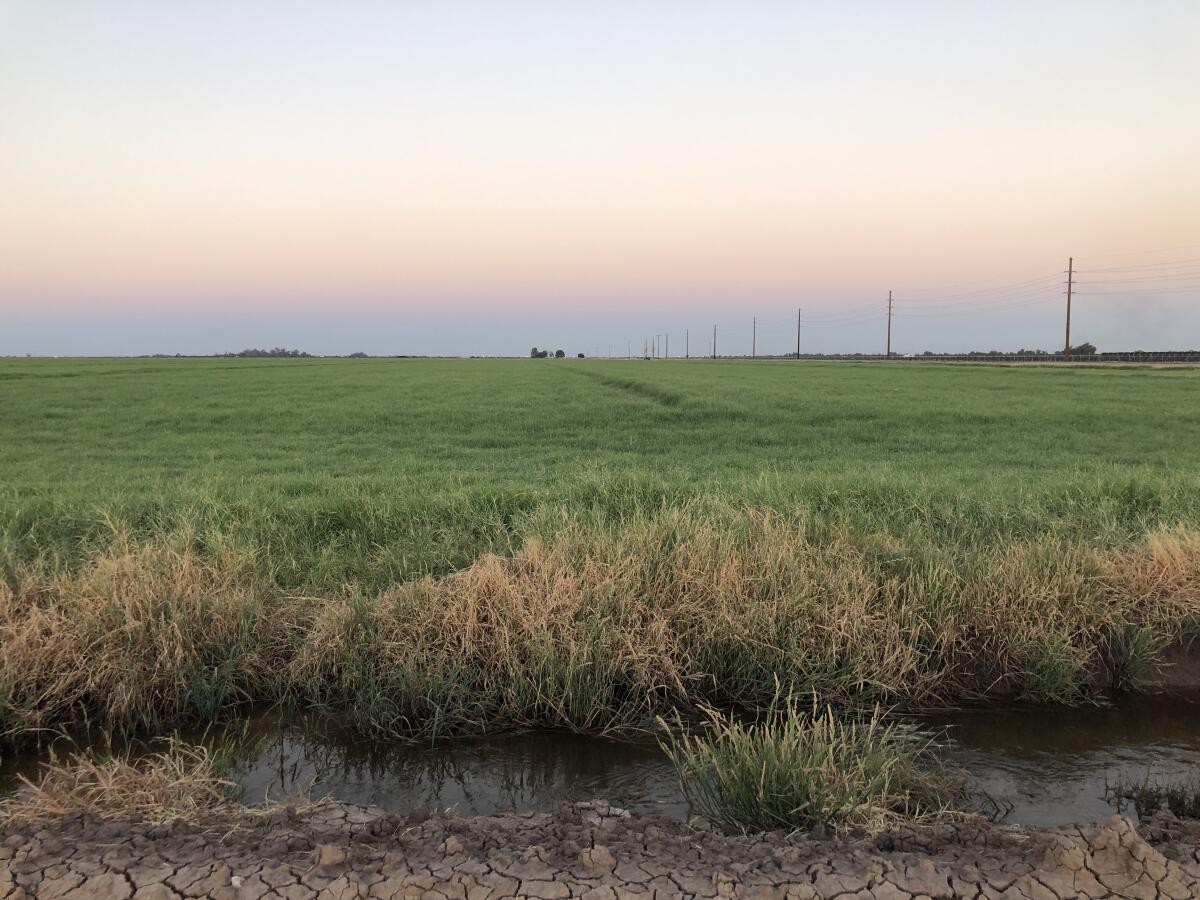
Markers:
597,628
621,625
181,782
1162,573
144,634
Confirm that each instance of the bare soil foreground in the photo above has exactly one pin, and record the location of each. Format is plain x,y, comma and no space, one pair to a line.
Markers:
584,850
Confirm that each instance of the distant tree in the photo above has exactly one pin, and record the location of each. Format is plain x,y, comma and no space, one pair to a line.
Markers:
558,354
275,352
358,355
580,355
1084,349
533,354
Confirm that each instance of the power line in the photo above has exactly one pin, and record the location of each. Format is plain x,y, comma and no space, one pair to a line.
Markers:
1145,279
1141,279
1145,252
1015,303
966,296
1150,292
985,304
1172,264
889,336
1070,285
849,323
968,291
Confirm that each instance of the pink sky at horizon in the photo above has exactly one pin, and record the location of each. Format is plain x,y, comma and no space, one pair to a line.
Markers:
455,157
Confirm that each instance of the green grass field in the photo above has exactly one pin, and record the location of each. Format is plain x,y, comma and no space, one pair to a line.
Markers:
382,470
927,497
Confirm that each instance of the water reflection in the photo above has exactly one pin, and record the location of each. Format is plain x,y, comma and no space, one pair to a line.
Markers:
1047,766
532,771
1053,766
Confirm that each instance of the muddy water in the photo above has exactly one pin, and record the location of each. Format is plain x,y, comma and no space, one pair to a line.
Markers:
1040,766
1052,766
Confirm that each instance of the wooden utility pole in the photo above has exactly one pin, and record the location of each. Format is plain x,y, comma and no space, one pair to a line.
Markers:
889,338
687,344
629,349
714,342
798,310
754,339
1070,285
667,345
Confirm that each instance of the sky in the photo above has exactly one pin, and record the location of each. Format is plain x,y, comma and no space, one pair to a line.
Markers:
459,177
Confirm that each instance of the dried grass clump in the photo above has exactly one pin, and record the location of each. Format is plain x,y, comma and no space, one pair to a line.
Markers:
1157,584
143,635
181,782
1161,575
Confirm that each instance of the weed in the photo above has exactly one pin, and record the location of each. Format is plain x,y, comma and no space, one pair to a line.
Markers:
807,768
1181,797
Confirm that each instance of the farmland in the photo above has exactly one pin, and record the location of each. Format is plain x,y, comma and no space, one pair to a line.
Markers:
463,545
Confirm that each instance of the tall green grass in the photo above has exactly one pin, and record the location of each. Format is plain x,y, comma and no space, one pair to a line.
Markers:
807,768
370,472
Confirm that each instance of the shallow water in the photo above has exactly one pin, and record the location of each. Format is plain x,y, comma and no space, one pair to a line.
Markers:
1052,766
1041,766
531,771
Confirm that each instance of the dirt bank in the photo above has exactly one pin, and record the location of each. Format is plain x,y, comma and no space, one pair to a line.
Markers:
588,850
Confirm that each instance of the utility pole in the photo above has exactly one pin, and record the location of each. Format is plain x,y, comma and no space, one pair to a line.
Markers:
687,344
667,346
714,342
889,339
1070,285
629,349
754,339
798,311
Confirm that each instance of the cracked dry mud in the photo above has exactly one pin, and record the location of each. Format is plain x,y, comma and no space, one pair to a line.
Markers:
584,850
